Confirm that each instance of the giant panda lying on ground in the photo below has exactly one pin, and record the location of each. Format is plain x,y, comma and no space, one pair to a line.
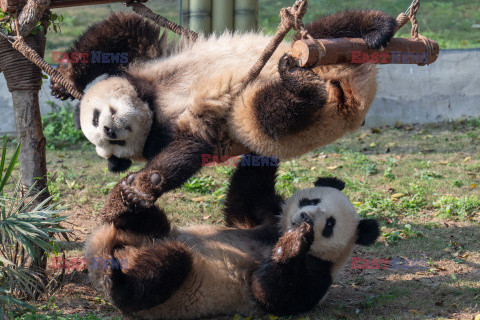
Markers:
172,110
283,266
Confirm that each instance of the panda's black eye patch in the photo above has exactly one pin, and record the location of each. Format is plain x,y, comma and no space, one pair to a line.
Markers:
96,115
308,202
328,229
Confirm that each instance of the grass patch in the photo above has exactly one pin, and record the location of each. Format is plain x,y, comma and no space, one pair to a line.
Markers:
449,206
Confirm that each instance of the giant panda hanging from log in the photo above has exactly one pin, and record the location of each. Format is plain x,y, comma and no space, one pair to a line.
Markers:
174,105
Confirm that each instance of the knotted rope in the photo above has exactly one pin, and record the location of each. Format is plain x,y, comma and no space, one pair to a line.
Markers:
141,9
291,17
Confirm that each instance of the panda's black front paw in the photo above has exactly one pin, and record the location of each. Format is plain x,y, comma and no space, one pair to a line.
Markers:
140,189
294,243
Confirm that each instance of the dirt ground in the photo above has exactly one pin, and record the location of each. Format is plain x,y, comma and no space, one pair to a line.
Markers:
422,183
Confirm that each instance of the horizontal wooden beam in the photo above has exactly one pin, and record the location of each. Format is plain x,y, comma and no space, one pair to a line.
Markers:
12,5
353,50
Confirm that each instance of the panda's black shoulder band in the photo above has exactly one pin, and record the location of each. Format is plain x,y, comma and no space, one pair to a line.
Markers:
330,182
145,89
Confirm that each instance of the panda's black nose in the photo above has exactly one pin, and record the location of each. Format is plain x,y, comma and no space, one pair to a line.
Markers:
110,133
306,218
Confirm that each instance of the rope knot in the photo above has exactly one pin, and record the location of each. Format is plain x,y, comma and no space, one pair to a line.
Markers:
291,17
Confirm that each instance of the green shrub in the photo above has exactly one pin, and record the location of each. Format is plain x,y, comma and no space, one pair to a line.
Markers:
26,225
59,129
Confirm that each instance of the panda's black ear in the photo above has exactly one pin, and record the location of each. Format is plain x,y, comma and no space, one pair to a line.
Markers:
76,116
330,182
117,165
368,232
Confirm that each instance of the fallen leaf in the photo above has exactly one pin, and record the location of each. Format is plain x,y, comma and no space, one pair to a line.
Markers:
464,255
373,144
336,155
272,317
376,130
473,185
313,168
467,159
198,199
363,136
332,168
206,217
398,124
397,195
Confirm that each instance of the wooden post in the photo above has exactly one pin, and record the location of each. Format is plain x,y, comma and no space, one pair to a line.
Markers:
24,79
246,15
200,19
222,13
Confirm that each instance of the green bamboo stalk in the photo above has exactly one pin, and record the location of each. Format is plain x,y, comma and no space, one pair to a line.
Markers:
200,19
185,14
222,15
246,15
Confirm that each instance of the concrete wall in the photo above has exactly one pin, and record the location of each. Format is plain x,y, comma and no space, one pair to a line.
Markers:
447,89
7,120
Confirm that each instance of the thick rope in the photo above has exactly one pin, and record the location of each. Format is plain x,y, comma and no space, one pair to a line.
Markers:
34,57
162,21
291,17
19,72
413,18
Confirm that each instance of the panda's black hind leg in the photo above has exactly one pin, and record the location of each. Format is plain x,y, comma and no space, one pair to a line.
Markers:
149,275
375,27
251,199
292,104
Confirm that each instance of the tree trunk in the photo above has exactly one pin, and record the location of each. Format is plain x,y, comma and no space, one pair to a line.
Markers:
32,158
31,14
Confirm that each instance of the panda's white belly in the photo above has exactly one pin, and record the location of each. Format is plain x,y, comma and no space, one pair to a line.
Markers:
218,284
220,65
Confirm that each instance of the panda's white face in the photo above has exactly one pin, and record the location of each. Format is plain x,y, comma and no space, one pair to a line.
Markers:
334,219
114,119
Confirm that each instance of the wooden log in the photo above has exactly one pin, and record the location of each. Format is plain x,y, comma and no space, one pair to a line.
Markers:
12,5
354,50
31,13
